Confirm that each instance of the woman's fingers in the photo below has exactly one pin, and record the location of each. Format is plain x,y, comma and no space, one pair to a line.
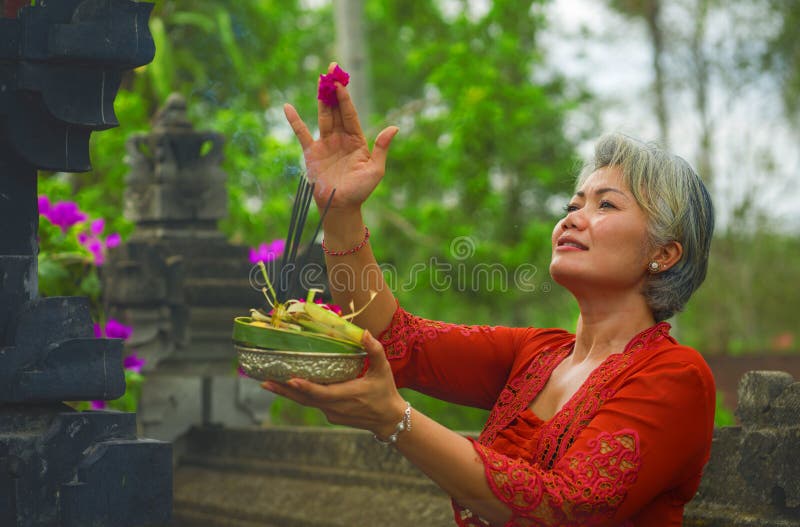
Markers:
327,115
348,111
325,119
376,355
299,127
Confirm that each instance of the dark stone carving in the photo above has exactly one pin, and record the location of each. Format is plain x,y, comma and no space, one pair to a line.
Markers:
175,178
66,59
753,477
179,283
60,67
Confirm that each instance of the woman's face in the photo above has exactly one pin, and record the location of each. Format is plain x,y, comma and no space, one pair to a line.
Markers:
601,244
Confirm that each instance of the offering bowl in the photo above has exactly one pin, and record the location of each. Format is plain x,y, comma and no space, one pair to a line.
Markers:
322,368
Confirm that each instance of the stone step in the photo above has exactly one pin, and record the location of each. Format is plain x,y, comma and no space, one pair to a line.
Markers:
350,477
300,477
301,502
187,516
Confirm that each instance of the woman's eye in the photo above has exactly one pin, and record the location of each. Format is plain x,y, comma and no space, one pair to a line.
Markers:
569,208
606,205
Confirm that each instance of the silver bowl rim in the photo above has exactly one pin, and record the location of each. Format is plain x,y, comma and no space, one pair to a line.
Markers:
309,354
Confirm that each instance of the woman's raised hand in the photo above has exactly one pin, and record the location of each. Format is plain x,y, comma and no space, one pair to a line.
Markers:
340,158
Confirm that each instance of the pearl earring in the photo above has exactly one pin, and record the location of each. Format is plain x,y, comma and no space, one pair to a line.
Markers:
653,267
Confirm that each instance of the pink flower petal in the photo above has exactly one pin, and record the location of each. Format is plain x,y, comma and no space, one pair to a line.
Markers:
117,330
97,226
327,87
133,363
44,205
97,405
277,246
98,330
113,240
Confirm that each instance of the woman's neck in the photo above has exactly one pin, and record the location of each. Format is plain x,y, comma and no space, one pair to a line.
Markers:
606,325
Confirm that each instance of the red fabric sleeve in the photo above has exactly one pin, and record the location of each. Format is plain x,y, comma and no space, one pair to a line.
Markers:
462,364
650,437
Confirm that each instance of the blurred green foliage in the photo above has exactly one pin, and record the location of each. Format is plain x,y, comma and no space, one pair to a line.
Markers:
474,178
723,415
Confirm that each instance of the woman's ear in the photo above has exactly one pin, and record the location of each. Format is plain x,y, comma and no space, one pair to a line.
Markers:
667,255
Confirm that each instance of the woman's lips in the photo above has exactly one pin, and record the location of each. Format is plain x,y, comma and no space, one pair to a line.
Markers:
566,243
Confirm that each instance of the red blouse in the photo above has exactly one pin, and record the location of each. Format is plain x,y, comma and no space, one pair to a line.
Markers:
627,449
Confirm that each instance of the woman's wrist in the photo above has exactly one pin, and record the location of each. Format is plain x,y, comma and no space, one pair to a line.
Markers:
396,415
343,229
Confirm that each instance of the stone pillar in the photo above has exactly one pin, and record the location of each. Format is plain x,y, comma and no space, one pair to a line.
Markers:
179,283
60,67
753,477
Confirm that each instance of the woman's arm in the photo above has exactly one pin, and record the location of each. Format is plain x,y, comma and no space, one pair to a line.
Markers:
353,277
340,160
651,436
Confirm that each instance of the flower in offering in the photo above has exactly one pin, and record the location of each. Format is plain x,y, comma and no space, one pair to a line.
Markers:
327,87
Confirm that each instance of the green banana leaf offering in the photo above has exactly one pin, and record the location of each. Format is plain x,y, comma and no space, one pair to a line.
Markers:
253,333
298,325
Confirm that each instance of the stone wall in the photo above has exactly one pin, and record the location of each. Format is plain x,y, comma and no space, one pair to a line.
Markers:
753,477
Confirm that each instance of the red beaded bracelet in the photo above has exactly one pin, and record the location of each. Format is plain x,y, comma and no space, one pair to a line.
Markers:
352,250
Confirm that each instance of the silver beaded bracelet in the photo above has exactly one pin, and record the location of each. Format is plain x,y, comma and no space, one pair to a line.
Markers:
402,426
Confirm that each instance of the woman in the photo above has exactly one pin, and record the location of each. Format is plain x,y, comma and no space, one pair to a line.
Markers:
611,425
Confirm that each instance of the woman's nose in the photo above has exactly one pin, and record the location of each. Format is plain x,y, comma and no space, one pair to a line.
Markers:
573,220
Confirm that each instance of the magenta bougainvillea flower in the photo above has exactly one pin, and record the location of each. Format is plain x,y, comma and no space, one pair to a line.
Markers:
63,214
44,206
95,243
113,329
133,363
266,252
97,405
327,89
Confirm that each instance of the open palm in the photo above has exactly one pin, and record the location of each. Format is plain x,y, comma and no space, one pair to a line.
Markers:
341,158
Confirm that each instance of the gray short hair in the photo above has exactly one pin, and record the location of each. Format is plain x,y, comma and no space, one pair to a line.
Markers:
678,208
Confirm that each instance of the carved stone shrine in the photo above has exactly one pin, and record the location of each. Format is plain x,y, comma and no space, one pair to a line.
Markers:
61,63
179,283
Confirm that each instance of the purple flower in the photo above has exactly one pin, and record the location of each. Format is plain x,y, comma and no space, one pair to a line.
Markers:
113,240
94,242
65,214
97,405
266,252
117,330
96,247
133,363
97,226
44,205
241,372
114,329
327,87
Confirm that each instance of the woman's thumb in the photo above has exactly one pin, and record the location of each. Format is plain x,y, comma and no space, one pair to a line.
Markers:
382,142
374,350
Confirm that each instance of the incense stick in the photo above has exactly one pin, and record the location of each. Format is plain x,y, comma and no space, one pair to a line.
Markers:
305,202
319,225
